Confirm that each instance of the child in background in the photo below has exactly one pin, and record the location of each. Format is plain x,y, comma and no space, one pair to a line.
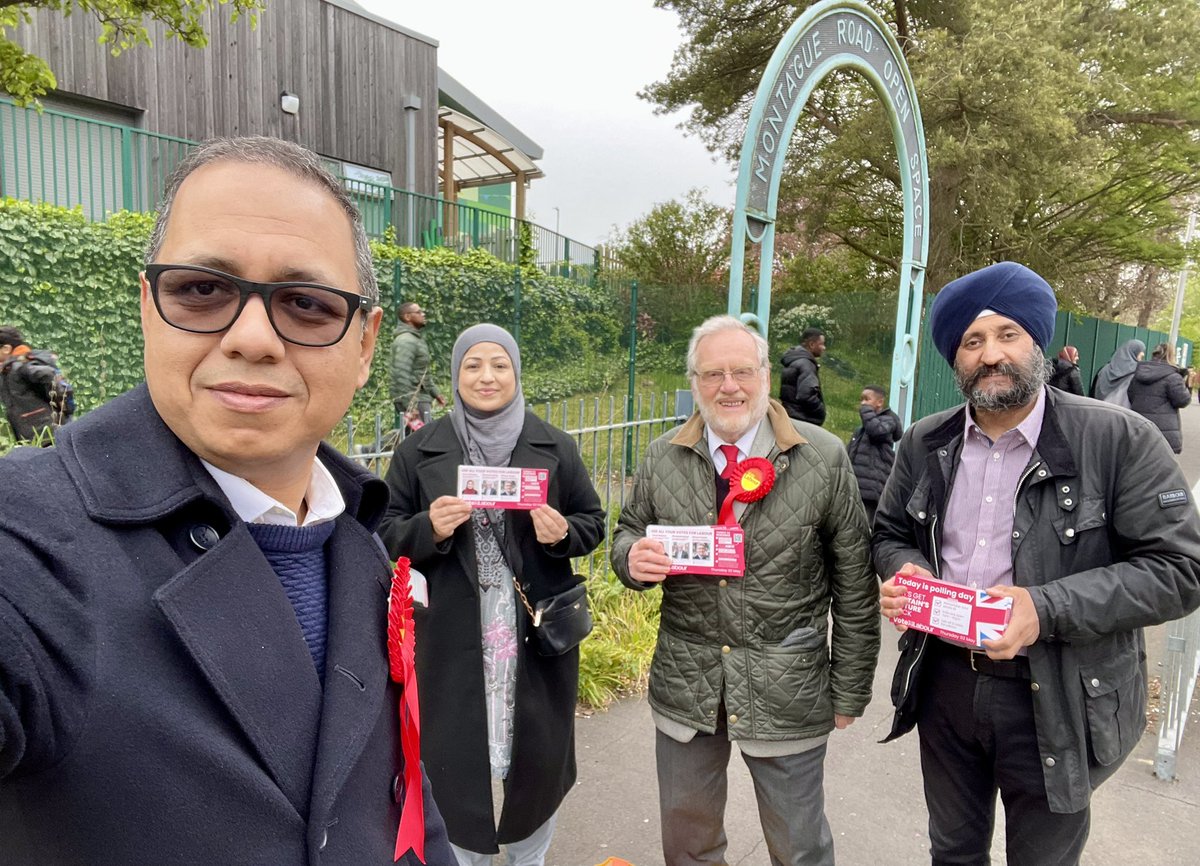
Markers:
871,450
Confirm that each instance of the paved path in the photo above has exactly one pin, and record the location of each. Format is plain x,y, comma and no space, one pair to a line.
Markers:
873,792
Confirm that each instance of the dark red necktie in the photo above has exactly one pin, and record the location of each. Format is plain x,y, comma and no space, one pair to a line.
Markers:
731,459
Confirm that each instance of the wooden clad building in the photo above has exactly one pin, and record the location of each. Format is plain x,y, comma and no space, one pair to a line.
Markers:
351,72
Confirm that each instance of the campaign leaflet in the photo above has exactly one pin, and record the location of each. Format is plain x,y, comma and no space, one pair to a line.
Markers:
503,486
719,550
951,611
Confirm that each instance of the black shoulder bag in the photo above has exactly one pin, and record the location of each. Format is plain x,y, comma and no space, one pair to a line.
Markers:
560,622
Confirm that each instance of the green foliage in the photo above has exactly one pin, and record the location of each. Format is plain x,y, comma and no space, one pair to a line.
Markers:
859,329
787,325
679,254
1189,321
568,333
1062,135
71,285
615,658
123,25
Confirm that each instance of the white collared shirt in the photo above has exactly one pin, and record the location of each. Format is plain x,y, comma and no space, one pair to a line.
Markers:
324,499
743,445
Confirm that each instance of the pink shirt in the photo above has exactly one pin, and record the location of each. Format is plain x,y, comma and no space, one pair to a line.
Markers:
977,533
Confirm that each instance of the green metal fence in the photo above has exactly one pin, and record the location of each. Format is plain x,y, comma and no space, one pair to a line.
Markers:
1095,339
59,158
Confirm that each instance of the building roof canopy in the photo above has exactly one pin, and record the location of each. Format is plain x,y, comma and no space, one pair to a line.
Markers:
482,155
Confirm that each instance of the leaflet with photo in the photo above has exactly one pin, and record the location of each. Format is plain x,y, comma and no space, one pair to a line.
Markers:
951,611
503,486
719,550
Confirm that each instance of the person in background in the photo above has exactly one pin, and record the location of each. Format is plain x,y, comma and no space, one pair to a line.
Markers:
410,384
871,450
800,382
32,390
1064,371
1158,391
1077,512
498,718
1112,381
776,659
193,601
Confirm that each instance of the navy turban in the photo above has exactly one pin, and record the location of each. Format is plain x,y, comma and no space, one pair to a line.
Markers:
1005,288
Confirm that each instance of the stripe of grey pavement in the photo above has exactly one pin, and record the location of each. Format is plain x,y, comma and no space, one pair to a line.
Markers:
873,792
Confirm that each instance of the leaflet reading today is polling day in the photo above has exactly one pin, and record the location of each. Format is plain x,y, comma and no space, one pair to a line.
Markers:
503,486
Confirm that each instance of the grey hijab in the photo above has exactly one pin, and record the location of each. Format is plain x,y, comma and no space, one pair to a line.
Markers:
1113,379
487,438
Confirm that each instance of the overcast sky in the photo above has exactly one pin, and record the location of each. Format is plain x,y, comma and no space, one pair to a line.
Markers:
567,75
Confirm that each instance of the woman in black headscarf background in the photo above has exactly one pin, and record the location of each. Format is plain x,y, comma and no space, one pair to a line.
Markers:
492,707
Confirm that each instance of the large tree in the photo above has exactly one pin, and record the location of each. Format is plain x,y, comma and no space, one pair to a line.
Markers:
123,25
679,254
1060,133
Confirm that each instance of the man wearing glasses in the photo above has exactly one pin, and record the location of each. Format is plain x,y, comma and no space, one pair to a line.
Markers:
193,666
751,658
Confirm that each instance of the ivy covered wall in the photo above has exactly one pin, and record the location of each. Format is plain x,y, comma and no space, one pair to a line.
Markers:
71,286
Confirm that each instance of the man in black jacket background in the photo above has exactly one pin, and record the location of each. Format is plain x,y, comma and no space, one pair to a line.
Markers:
27,388
800,384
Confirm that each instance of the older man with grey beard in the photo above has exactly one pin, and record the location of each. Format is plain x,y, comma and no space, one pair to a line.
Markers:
1074,509
755,657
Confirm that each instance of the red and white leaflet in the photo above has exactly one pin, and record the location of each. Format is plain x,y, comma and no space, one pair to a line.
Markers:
952,611
719,550
503,486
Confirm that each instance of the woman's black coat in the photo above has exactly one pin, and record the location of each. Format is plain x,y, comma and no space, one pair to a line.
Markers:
449,644
1065,376
1158,392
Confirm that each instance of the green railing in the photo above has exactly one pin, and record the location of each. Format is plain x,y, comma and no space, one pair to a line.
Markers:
1095,339
59,158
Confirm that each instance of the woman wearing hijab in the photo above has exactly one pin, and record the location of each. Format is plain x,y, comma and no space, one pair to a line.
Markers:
1064,371
497,732
1112,382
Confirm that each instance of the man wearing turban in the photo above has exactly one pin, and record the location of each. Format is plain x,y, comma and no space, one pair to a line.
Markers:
1074,509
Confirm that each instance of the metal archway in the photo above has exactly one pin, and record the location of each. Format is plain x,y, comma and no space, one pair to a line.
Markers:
835,34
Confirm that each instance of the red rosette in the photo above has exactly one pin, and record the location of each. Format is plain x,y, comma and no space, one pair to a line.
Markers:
752,479
749,481
401,648
399,631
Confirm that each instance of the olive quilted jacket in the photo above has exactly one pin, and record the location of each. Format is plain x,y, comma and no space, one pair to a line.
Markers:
760,642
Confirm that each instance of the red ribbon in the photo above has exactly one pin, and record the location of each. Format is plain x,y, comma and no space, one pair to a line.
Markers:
401,655
749,481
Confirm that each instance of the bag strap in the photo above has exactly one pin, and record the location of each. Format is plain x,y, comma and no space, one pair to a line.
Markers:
536,616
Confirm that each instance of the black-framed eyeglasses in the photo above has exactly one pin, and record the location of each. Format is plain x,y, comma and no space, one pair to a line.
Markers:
206,301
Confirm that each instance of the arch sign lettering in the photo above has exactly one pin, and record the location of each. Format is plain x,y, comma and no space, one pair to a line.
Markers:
835,34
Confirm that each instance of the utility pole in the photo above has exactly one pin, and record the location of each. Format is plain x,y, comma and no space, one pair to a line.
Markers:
1183,278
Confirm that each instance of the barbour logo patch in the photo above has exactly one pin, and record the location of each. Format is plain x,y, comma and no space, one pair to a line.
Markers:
1170,498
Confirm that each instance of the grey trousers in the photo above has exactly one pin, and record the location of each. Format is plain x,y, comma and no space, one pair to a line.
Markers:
692,787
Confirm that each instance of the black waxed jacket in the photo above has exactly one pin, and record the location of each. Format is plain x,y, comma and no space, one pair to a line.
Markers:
1106,539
